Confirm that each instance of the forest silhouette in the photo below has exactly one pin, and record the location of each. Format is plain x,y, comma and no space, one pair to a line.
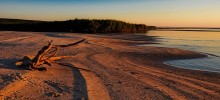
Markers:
75,26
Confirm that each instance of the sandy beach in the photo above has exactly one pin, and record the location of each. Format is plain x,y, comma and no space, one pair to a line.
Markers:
110,66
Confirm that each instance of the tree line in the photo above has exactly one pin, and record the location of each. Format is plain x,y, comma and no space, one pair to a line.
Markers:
75,26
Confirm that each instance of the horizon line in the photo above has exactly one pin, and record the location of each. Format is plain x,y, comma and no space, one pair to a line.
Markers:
181,27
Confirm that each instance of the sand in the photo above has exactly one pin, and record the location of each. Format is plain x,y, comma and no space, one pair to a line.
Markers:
104,67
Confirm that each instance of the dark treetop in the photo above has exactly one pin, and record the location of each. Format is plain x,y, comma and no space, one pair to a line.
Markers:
77,25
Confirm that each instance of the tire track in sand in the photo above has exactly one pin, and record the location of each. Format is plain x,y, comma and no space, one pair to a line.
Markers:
181,79
187,81
149,81
155,81
96,67
15,39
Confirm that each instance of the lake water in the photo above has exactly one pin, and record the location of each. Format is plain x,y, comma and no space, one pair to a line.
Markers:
207,42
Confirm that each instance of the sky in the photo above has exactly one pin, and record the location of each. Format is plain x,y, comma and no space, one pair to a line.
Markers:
178,13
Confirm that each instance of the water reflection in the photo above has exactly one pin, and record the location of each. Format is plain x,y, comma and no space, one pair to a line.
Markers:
199,41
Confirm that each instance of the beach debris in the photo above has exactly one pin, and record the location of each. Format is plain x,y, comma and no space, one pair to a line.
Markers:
45,56
54,94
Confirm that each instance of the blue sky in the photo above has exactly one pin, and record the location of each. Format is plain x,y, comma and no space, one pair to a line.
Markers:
204,13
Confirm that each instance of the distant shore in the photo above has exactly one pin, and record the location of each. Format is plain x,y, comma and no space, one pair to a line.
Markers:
199,29
74,26
118,69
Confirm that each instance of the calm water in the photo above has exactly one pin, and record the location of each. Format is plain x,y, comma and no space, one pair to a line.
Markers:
199,41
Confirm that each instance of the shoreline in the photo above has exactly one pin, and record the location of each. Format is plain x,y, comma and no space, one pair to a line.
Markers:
205,71
117,66
209,63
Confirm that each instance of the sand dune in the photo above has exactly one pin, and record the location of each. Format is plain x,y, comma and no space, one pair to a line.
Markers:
103,67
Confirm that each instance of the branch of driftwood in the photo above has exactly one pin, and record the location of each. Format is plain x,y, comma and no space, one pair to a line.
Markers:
45,56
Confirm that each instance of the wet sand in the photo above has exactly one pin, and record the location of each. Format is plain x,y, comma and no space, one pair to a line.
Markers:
104,66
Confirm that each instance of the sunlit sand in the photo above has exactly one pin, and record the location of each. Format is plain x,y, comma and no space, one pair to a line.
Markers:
109,66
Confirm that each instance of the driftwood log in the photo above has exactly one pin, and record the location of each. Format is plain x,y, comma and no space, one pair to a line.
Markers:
45,56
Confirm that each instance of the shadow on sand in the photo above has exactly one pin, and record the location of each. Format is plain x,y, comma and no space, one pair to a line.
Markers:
9,64
80,89
58,35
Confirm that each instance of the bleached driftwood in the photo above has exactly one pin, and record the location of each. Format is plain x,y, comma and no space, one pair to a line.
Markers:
45,56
